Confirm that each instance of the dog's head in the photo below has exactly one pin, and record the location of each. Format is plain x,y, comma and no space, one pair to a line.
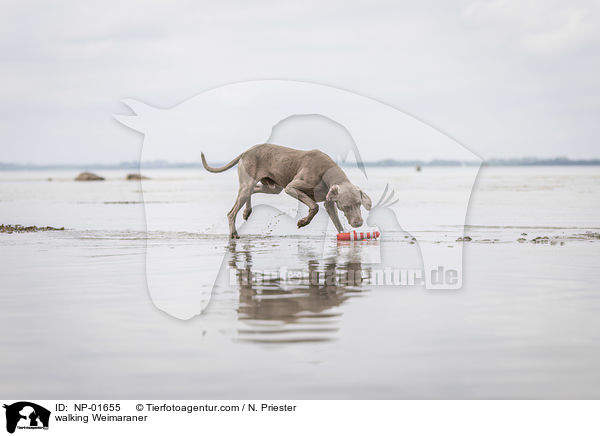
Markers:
348,198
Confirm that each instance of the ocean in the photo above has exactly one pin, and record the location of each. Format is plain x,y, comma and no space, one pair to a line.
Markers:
143,294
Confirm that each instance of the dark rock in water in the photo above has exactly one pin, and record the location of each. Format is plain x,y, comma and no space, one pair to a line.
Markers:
88,177
523,234
541,240
137,177
418,168
465,239
521,240
17,228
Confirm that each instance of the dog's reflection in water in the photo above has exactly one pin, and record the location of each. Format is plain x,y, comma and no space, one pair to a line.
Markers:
302,305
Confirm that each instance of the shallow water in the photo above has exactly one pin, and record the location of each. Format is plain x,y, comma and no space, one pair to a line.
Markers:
78,320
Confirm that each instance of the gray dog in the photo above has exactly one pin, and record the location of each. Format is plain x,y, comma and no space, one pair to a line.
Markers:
310,176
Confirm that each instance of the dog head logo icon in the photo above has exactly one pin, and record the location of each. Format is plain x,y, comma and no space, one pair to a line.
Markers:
26,415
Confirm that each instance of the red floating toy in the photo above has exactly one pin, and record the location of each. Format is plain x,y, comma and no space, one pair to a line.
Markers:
357,236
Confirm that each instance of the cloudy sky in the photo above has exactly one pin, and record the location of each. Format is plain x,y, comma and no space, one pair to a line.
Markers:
506,78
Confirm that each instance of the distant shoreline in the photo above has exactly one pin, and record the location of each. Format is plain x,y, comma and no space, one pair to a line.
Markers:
560,161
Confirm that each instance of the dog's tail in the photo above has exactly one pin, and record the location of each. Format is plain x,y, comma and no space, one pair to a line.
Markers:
221,169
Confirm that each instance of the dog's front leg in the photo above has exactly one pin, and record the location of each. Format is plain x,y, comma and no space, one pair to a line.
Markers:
295,190
333,214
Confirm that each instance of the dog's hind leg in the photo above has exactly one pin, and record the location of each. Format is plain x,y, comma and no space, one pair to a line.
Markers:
261,188
248,209
244,193
247,180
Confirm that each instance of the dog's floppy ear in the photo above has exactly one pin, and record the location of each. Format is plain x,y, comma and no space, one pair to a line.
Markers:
366,201
332,195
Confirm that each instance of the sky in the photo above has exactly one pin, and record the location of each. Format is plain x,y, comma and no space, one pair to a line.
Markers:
505,78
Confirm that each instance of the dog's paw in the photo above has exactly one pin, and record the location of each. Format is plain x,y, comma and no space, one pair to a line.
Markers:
234,235
247,213
303,222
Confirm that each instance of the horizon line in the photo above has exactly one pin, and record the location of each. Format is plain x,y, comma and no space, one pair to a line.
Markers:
389,162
